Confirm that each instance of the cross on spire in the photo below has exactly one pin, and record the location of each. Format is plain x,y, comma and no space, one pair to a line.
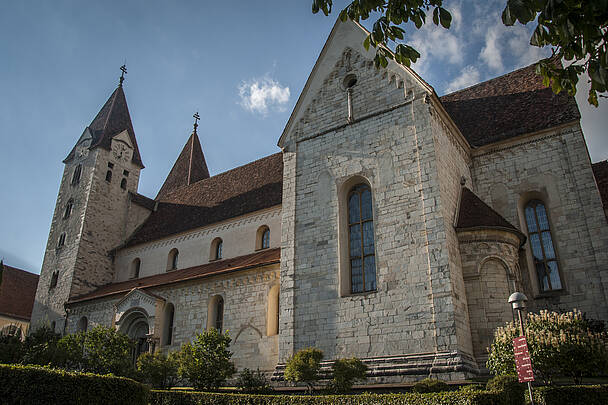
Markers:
122,75
196,118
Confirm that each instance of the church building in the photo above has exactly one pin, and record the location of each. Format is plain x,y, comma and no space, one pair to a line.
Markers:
392,225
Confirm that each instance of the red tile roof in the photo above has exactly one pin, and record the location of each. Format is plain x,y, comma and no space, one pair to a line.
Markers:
239,191
507,106
474,213
257,259
600,171
17,292
189,168
142,200
112,119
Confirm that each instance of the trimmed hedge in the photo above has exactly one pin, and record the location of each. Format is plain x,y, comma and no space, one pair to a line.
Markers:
37,385
443,398
573,394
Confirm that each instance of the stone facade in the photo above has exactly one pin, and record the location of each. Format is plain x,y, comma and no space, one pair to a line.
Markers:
440,287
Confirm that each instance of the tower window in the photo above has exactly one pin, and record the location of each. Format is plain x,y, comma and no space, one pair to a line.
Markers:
68,209
541,243
125,173
109,176
361,239
54,278
123,184
61,240
110,165
76,175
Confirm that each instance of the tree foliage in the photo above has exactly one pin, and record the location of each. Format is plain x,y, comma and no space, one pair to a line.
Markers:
304,367
345,372
206,361
559,344
575,30
253,382
158,369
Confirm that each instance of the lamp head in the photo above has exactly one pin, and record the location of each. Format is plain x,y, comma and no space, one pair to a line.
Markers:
518,300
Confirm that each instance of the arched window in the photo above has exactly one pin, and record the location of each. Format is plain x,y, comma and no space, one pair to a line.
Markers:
109,176
68,209
123,184
83,324
272,326
215,313
76,175
172,259
262,240
61,240
168,324
135,266
541,243
54,278
361,239
217,246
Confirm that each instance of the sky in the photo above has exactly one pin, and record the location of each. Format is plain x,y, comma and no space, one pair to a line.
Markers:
240,64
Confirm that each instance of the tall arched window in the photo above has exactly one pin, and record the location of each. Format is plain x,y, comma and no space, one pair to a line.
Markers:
172,259
361,239
83,324
217,246
135,266
541,243
76,175
262,240
168,324
68,209
215,313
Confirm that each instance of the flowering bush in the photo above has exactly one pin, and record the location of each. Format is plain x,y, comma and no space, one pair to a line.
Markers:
560,344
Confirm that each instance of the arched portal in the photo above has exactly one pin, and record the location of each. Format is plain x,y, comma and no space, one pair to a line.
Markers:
136,327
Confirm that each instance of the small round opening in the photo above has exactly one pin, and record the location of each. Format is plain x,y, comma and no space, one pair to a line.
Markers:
349,81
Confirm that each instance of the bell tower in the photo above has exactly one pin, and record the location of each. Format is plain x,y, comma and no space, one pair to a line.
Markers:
91,210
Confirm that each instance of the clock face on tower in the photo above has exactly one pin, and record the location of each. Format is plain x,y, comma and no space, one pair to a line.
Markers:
121,151
82,150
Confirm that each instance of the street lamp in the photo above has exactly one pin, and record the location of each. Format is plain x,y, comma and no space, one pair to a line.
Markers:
518,303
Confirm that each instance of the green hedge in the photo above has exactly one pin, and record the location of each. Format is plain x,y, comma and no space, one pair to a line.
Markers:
443,398
573,394
36,385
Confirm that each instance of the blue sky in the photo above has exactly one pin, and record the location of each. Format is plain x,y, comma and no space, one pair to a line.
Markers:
240,65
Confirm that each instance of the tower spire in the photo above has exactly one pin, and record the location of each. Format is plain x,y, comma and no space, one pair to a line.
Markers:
122,75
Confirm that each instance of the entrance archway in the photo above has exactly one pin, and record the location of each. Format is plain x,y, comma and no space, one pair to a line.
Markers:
136,327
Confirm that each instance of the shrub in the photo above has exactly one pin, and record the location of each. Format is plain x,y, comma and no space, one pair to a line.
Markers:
101,350
158,369
581,394
206,361
513,390
559,344
430,385
11,349
437,398
471,388
304,367
253,382
40,347
37,385
345,372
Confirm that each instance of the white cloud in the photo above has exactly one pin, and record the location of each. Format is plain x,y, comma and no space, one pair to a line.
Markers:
468,77
491,53
263,95
519,44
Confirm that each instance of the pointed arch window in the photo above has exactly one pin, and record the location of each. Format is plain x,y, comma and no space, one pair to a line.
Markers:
541,244
76,175
361,239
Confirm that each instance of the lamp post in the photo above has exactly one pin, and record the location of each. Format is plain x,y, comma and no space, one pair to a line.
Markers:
518,303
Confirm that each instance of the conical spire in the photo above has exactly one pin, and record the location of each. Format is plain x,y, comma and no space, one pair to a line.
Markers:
189,167
112,119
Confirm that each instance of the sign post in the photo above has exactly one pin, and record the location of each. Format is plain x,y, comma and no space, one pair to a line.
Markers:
523,361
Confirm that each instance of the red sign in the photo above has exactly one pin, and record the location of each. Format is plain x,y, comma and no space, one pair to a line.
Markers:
523,362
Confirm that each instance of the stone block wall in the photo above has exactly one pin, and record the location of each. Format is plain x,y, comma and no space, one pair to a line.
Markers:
553,166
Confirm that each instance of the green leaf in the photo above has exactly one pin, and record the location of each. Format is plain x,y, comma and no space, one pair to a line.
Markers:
446,18
366,43
507,18
436,16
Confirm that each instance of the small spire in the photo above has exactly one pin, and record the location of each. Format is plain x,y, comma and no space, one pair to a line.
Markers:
122,75
196,118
